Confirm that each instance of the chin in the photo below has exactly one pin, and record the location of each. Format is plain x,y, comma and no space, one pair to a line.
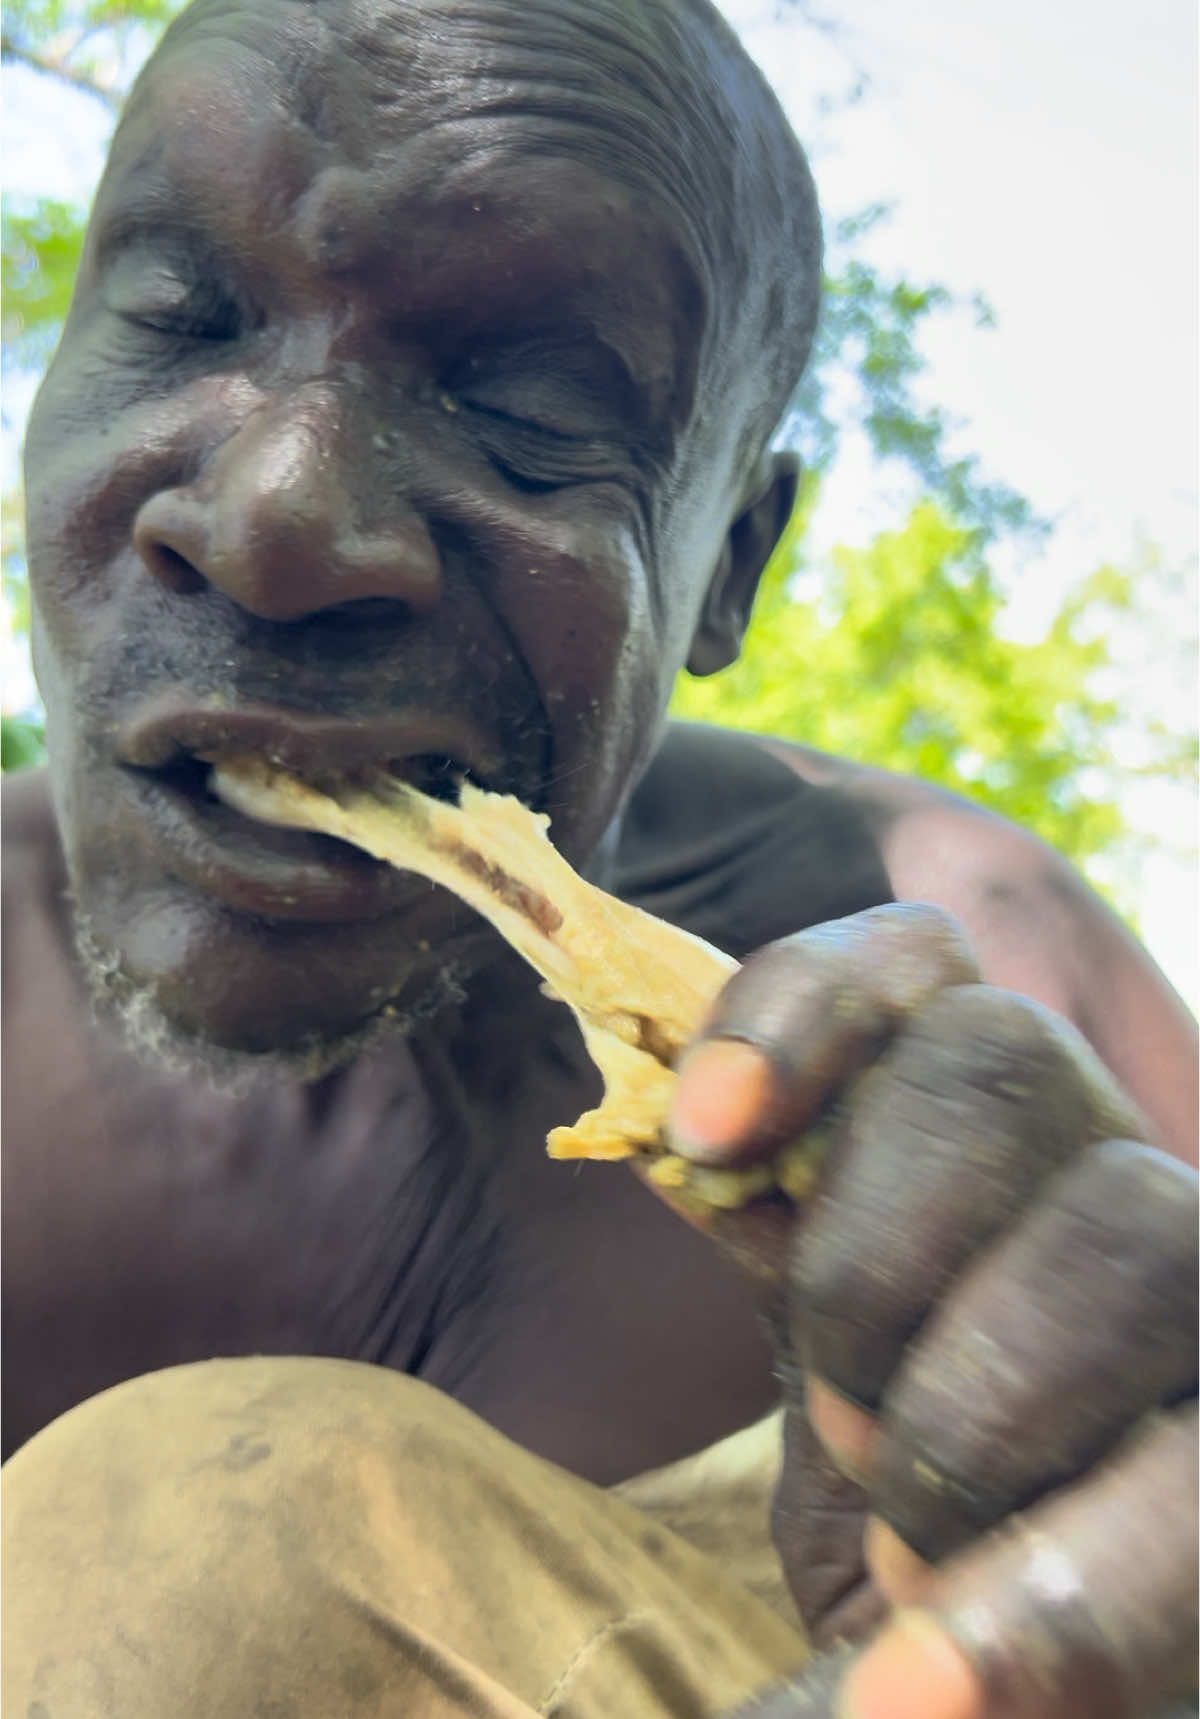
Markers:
173,1023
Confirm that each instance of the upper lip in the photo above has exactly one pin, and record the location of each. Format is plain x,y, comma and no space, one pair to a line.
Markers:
170,728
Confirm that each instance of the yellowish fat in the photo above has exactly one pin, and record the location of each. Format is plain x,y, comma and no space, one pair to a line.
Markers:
639,988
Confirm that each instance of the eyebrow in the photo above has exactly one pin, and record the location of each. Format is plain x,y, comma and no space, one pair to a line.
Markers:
647,368
150,217
555,305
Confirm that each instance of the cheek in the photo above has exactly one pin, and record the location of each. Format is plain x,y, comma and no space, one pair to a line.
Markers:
590,630
89,464
85,476
94,454
102,440
582,613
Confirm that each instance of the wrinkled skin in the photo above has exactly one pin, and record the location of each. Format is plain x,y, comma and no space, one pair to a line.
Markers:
388,414
382,429
986,1326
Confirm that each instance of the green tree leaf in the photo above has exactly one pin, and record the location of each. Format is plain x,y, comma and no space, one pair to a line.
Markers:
22,742
900,662
41,247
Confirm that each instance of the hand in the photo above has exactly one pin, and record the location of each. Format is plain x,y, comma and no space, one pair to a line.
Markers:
986,1329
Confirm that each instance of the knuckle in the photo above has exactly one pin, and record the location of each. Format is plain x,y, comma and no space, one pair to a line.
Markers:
941,1478
835,1282
1012,1048
1072,1327
1059,1577
849,1328
931,932
769,988
1130,1209
869,968
934,927
1140,1178
998,1025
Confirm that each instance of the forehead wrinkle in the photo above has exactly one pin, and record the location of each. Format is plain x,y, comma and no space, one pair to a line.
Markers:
577,83
658,93
635,157
292,38
672,74
603,90
231,70
645,308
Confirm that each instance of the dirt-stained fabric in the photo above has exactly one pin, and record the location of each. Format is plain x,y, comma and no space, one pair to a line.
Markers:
720,1502
269,1538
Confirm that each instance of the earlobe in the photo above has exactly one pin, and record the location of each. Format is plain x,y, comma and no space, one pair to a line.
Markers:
744,554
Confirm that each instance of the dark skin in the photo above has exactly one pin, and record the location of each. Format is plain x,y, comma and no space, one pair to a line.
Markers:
377,433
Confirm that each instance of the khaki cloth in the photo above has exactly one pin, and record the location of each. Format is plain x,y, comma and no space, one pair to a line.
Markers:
720,1502
315,1539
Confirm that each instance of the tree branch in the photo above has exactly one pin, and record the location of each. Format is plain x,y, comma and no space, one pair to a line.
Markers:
59,66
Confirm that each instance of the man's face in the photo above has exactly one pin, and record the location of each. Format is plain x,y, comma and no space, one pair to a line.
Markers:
373,438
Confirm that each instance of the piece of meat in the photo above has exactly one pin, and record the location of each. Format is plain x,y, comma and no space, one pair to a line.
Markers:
639,988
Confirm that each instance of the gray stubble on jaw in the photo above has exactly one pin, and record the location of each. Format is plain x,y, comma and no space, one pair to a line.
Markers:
156,1040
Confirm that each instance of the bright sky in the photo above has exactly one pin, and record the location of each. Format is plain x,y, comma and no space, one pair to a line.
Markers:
1044,154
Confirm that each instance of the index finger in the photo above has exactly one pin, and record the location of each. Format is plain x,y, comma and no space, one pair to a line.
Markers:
800,1017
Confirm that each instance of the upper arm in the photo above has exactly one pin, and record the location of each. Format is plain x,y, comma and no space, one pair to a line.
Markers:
1038,929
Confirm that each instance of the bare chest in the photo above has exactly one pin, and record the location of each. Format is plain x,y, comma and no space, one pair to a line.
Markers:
150,1220
381,1216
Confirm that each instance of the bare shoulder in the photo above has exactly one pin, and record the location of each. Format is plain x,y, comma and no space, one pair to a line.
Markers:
32,853
1036,924
33,875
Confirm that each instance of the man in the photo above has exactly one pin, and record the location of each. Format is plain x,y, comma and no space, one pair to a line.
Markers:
416,406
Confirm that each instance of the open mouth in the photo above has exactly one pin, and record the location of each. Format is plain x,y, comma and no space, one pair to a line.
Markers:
168,749
437,774
273,872
434,773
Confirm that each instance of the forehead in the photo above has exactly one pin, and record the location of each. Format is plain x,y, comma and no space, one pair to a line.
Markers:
357,129
431,96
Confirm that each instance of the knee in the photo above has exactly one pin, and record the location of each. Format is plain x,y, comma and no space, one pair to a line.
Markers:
213,1419
157,1525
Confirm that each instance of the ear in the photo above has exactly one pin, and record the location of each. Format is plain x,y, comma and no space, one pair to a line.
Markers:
744,554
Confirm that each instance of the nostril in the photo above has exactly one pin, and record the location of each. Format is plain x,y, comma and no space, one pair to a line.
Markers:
171,568
170,537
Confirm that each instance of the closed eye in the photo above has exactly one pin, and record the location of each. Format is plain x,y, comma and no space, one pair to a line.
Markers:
183,301
537,426
190,320
537,458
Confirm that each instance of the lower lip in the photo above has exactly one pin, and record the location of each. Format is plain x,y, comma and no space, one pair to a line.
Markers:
262,870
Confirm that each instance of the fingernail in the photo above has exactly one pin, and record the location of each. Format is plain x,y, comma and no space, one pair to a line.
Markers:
913,1671
901,1574
722,1094
849,1434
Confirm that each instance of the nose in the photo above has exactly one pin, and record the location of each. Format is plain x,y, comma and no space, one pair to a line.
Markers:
284,521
